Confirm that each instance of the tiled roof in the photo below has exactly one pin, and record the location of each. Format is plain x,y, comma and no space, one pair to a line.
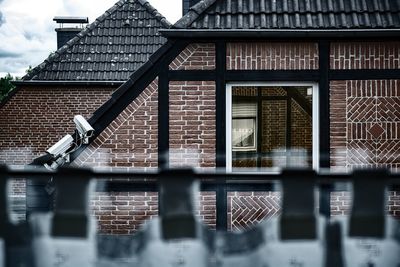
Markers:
110,49
292,14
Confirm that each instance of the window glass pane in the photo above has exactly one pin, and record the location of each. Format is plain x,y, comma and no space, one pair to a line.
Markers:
271,126
243,133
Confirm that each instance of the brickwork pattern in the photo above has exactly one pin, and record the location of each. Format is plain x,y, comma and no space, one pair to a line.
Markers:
272,56
246,209
192,124
341,203
130,141
207,210
373,118
123,213
365,55
195,57
36,118
301,127
338,125
367,129
394,204
126,212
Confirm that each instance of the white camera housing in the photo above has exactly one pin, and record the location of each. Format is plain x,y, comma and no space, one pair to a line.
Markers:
62,146
84,128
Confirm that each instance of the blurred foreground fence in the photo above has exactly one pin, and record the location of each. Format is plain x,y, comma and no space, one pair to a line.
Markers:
298,237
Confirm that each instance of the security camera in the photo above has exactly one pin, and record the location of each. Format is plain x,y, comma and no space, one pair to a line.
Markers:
61,147
53,165
84,128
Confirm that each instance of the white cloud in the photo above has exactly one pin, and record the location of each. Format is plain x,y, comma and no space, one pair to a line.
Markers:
27,33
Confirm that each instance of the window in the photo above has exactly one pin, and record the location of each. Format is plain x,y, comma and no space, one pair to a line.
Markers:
244,126
271,125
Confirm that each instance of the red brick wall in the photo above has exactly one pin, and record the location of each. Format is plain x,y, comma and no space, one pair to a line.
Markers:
130,141
126,212
365,123
192,124
123,213
365,55
272,56
341,204
195,57
338,125
36,118
250,208
206,210
301,128
365,131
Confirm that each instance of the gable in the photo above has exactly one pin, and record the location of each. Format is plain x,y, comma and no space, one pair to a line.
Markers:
109,49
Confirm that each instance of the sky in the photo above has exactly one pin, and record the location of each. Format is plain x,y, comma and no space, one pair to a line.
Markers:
27,35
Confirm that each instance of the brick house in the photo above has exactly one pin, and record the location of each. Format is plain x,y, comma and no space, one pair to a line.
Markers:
241,81
76,79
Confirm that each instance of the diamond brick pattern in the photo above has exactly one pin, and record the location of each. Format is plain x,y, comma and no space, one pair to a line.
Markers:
361,109
361,153
388,109
249,208
372,123
388,152
376,130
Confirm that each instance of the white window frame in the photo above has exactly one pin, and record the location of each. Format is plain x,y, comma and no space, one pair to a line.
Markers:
315,116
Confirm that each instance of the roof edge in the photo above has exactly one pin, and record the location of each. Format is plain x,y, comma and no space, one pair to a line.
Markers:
106,108
155,12
8,97
193,13
66,83
293,33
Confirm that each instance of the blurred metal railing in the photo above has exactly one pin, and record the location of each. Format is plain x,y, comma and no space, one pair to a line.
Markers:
41,240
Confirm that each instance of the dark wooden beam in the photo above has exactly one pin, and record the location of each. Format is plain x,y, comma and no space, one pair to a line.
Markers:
364,74
271,75
324,124
163,119
324,111
220,98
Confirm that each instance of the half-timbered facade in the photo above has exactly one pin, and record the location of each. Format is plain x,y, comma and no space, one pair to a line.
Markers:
243,83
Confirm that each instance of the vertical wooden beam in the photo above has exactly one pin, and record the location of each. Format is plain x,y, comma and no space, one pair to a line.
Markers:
163,119
324,112
220,99
324,123
163,102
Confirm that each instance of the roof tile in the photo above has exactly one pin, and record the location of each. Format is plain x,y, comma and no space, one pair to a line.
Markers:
292,14
109,49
